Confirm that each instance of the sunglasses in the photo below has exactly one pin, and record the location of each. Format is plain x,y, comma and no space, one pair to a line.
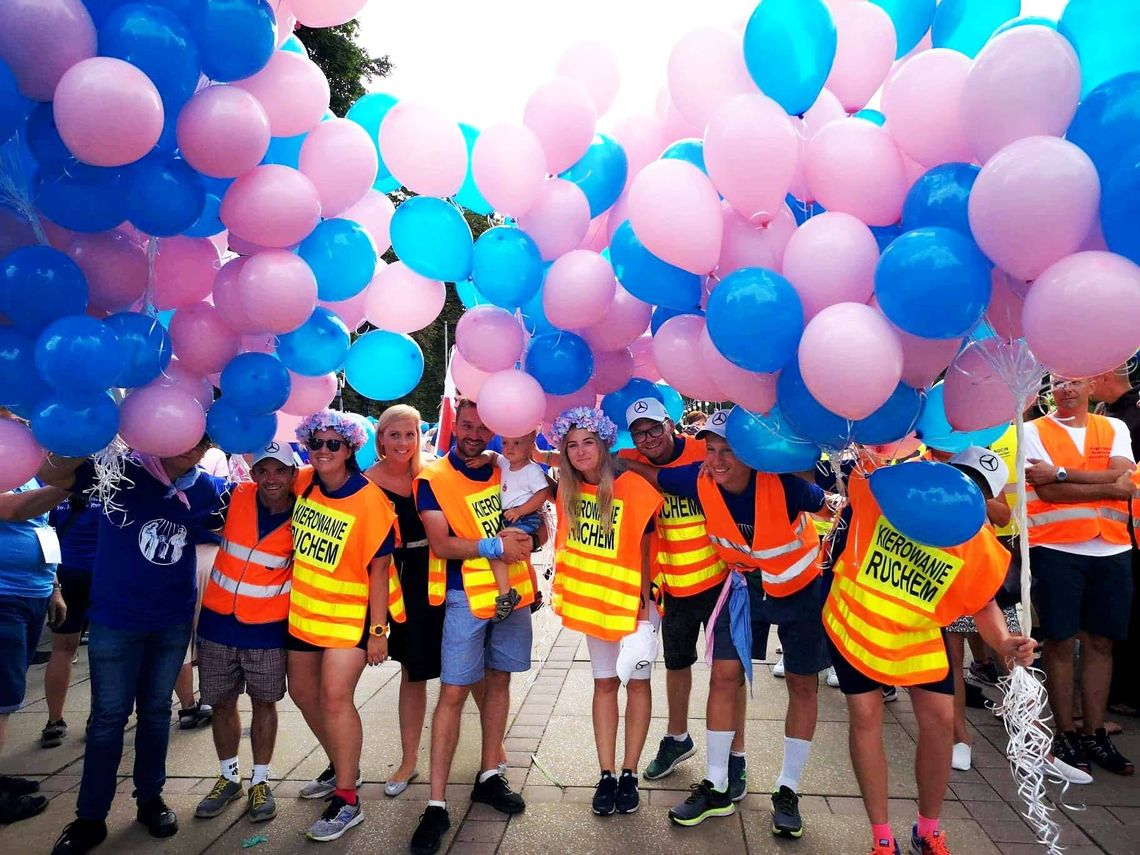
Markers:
640,435
317,444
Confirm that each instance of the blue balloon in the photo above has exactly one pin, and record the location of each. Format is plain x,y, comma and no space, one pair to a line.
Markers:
318,346
235,38
616,403
75,425
560,361
165,197
1107,123
600,173
159,43
534,315
872,116
39,284
42,137
767,443
432,238
295,45
1106,36
966,25
755,319
940,197
20,382
366,455
933,282
911,19
1024,21
79,354
369,112
215,186
236,431
507,267
933,428
80,197
803,211
893,420
1120,207
14,107
285,151
807,417
689,150
469,295
255,383
145,345
647,277
343,258
210,223
931,503
886,235
663,313
789,46
469,196
674,403
384,366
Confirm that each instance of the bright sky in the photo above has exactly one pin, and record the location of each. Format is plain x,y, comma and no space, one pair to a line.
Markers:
478,62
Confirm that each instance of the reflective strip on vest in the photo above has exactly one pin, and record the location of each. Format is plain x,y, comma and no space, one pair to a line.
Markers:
795,570
350,611
255,556
245,589
759,554
325,629
1062,515
914,670
332,586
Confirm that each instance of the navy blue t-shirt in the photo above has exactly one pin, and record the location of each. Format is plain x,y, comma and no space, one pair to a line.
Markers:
76,523
426,501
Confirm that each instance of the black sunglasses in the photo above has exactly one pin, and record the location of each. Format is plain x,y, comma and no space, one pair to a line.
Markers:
640,435
317,444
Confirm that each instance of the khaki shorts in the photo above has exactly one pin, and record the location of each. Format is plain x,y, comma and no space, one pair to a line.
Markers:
226,672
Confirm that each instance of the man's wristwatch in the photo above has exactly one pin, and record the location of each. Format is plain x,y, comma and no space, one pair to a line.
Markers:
380,630
1062,474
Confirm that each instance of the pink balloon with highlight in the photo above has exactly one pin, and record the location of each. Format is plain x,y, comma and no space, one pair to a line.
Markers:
924,359
161,420
642,138
272,205
922,103
423,150
853,166
973,393
194,384
246,248
340,160
612,370
511,403
309,394
578,290
556,405
223,131
293,90
400,300
259,343
626,319
831,259
42,39
675,212
277,290
754,391
490,338
287,425
706,71
115,268
558,219
374,212
562,115
509,167
20,455
326,13
825,110
745,245
468,379
184,271
644,365
865,51
226,297
1006,302
202,340
677,353
597,234
352,310
595,66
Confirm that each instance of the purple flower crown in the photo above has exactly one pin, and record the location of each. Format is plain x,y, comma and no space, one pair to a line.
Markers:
349,425
586,418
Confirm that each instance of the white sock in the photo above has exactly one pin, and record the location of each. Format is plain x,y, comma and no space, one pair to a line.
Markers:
260,773
738,754
719,744
680,737
795,758
434,803
230,770
488,775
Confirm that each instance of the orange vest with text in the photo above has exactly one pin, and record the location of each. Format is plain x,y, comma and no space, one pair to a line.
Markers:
598,576
684,561
891,596
334,541
252,575
1075,522
473,510
786,554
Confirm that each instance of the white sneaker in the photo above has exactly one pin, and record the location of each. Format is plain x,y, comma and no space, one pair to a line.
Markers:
1065,772
960,759
778,669
832,678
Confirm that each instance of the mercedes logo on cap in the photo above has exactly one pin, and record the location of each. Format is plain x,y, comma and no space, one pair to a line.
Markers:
719,419
989,462
272,447
640,407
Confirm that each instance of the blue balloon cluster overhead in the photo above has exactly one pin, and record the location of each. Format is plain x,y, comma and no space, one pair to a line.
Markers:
789,46
647,277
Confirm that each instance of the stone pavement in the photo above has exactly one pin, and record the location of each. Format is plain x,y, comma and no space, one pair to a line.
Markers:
550,717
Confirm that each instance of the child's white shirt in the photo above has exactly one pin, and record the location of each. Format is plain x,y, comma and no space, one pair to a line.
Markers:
518,486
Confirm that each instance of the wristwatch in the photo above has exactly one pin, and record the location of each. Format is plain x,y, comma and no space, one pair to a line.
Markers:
1062,473
380,630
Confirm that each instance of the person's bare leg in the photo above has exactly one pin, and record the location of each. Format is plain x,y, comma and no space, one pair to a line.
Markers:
445,736
740,718
57,675
604,715
868,756
226,729
478,692
1057,657
184,686
724,693
638,710
678,688
412,709
304,673
1096,678
493,715
957,661
263,732
803,706
935,714
340,672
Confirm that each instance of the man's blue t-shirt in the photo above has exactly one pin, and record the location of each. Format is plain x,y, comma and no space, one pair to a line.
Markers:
76,522
426,501
23,571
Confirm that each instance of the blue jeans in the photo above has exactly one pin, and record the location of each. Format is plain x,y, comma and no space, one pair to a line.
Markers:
129,670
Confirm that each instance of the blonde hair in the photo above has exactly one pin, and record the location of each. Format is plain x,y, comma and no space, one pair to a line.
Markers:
395,413
570,485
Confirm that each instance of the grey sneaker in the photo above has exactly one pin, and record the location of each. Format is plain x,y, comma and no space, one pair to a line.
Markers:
737,778
338,818
224,792
670,755
322,786
262,806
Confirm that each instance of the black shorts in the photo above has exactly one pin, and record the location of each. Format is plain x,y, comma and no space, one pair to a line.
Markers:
854,682
681,626
1081,593
75,586
799,624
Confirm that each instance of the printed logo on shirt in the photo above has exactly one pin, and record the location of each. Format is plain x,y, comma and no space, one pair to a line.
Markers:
918,574
162,541
586,533
319,534
487,509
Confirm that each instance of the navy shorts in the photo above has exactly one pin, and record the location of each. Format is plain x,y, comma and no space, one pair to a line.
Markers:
681,627
75,586
854,682
1081,593
21,622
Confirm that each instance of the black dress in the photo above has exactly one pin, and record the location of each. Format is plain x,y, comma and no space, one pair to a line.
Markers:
417,643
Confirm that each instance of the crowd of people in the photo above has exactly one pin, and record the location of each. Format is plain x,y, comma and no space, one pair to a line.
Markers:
300,577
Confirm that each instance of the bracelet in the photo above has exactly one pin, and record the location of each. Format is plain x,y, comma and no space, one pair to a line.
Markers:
491,547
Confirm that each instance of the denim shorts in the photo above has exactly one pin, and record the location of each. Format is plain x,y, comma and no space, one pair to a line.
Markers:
471,645
21,622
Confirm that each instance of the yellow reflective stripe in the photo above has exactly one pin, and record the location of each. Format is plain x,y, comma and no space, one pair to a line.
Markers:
604,621
325,629
351,611
681,532
897,667
881,638
600,568
301,573
801,566
574,585
681,581
872,602
685,559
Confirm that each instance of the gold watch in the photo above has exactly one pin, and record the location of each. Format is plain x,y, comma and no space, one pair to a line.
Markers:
380,630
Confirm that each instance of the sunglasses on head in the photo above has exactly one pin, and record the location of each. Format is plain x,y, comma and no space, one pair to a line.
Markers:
317,444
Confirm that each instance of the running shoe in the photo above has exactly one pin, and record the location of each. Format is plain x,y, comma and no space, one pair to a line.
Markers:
605,794
786,820
737,777
338,818
671,753
262,807
217,800
983,673
933,844
832,677
434,823
1064,772
703,802
890,694
497,793
322,786
962,756
628,798
53,733
885,847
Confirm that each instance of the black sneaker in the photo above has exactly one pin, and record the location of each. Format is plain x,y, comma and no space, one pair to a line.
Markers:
975,697
671,753
628,799
505,605
159,820
1068,748
80,836
983,673
1099,749
497,793
737,778
538,602
18,786
194,716
702,803
53,733
890,694
786,821
605,794
15,808
434,823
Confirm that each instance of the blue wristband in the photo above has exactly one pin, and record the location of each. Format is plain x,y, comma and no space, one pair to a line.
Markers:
491,547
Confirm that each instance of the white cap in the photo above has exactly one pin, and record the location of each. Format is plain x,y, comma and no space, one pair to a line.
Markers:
987,464
279,451
645,408
716,424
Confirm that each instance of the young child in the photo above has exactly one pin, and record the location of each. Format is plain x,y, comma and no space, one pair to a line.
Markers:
524,490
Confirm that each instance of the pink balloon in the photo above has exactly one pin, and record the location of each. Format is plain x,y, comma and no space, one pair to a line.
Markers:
924,359
490,338
1082,315
579,289
853,166
562,115
644,365
864,53
423,150
20,455
184,271
754,186
194,384
706,71
309,394
745,245
595,66
643,138
1024,83
42,39
617,215
161,420
509,167
1033,203
277,290
60,238
286,22
1006,300
223,131
754,391
900,450
973,393
272,205
374,212
326,13
468,379
115,268
293,91
340,160
202,340
227,297
245,248
511,403
287,425
400,300
351,311
626,319
556,405
612,370
850,359
597,234
676,350
558,219
825,110
675,213
259,343
922,103
107,111
831,259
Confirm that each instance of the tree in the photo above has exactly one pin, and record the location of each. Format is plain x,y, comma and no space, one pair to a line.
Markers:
346,64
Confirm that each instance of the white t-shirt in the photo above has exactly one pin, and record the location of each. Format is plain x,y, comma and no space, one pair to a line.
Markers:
518,486
1121,447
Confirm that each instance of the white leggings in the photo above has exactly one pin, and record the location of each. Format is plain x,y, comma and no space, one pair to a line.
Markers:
604,657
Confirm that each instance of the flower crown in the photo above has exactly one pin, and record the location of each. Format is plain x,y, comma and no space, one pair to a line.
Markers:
349,425
586,418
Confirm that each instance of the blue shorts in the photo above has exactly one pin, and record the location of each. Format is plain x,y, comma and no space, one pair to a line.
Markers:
21,623
530,523
471,645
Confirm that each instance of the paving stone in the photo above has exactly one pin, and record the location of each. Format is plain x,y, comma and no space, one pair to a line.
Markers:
1009,831
480,832
541,793
526,731
480,812
974,792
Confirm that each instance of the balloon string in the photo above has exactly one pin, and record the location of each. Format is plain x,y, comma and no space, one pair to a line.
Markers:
16,189
147,299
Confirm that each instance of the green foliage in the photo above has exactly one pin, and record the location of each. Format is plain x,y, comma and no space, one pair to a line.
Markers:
346,64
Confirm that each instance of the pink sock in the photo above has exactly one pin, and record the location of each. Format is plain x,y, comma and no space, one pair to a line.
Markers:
882,831
926,827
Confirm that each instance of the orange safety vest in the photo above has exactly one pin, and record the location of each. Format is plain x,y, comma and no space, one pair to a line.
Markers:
473,510
334,541
785,553
1135,504
597,579
1076,522
251,576
891,596
684,561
